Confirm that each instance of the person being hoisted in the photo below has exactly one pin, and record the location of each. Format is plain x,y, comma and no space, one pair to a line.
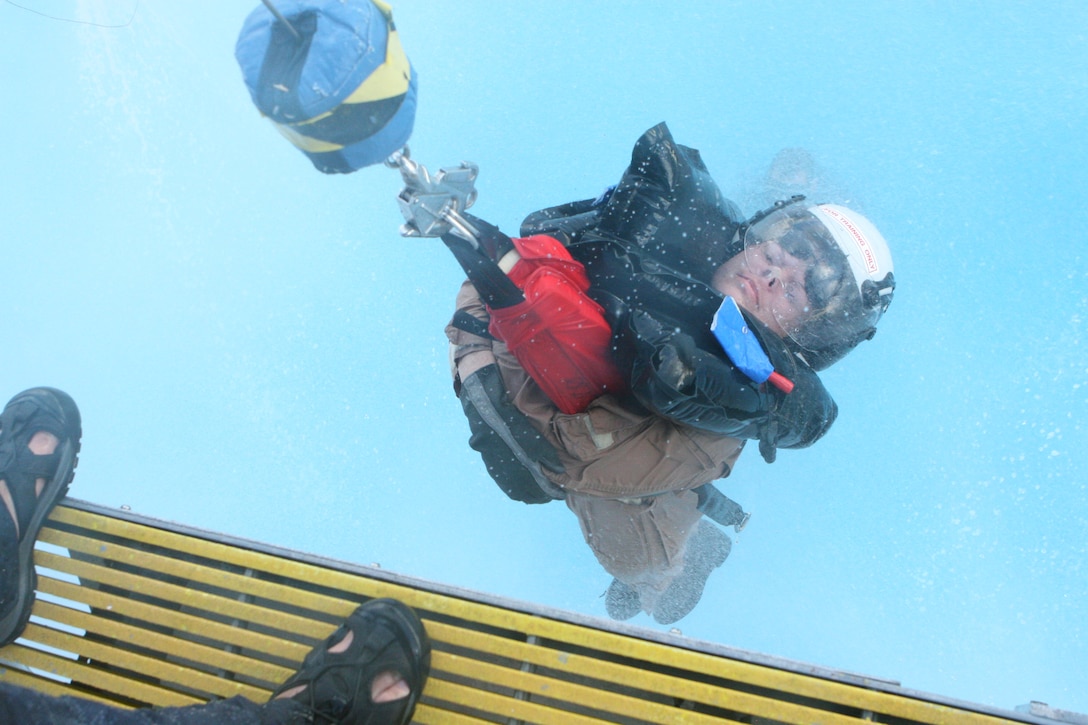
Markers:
585,361
589,372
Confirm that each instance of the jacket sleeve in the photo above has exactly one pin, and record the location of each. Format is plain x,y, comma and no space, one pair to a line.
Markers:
674,378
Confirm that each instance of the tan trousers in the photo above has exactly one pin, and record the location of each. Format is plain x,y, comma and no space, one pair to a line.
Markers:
641,544
627,473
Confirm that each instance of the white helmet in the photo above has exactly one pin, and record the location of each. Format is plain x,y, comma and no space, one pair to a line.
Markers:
850,280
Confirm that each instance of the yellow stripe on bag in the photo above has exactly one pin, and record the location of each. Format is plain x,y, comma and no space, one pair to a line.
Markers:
388,80
306,143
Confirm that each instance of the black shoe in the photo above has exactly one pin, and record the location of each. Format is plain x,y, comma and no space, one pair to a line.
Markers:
707,549
386,636
31,411
621,601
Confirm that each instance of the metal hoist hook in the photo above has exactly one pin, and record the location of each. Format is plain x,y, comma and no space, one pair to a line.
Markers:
432,205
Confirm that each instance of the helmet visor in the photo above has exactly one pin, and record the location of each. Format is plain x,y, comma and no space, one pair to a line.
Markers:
804,280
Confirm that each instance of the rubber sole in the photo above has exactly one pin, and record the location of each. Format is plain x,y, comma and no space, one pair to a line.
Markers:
388,635
14,622
707,550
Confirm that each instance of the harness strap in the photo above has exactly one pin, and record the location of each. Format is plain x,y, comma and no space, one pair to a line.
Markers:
473,393
466,322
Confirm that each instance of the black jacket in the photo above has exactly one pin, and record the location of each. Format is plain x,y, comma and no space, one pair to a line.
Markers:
650,247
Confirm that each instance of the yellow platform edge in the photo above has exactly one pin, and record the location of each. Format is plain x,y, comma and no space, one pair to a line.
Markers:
137,611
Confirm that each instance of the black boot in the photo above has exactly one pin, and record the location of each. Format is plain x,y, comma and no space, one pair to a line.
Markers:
707,549
621,601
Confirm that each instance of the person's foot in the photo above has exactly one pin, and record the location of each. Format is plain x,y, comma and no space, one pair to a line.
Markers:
370,670
40,430
621,601
707,549
385,687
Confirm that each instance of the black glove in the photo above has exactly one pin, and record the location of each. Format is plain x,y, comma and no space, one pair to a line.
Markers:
716,506
513,451
802,417
674,378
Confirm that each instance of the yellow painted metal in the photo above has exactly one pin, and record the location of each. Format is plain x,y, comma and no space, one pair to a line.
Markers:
215,631
63,668
190,573
161,645
156,614
558,689
153,665
237,556
427,715
49,687
621,675
585,666
506,707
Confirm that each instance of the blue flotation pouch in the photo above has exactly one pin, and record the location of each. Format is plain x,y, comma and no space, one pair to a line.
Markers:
743,348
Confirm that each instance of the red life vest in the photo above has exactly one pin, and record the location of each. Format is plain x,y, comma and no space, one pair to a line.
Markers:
558,333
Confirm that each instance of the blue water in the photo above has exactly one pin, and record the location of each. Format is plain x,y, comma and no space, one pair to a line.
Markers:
257,351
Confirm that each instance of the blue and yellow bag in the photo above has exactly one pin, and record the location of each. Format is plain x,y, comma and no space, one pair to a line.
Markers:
332,77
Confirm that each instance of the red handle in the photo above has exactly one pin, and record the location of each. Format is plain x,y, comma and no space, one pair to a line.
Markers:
781,382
